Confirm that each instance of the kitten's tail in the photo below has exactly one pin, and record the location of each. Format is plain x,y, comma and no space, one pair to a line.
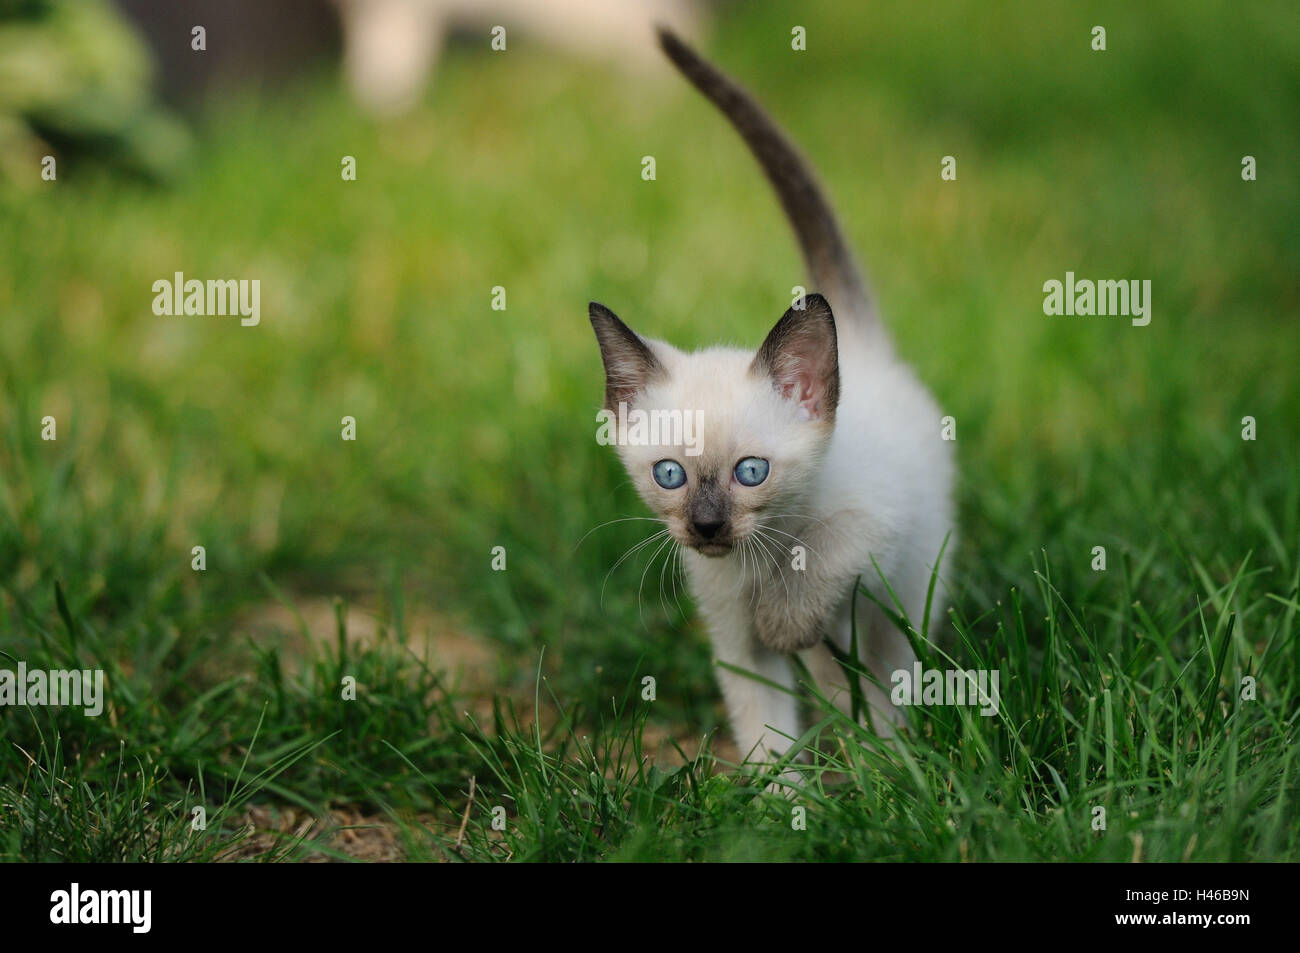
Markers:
825,249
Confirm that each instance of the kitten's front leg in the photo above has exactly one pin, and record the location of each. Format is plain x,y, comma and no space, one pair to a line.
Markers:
800,613
763,711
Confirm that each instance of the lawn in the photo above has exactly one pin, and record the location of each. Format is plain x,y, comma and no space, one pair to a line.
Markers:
1162,689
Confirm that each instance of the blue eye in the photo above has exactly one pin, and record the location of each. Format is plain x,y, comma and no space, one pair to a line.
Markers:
751,471
669,474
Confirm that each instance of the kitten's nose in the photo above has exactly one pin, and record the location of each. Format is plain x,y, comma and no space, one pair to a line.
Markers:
707,530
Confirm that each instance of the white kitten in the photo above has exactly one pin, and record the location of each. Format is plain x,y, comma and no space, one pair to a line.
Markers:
822,439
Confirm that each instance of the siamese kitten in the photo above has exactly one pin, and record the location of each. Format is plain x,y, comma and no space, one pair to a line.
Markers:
818,460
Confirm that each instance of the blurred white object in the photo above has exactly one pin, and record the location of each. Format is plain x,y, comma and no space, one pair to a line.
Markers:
391,46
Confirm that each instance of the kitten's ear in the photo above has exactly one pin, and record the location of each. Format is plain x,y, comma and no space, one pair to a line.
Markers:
801,357
629,363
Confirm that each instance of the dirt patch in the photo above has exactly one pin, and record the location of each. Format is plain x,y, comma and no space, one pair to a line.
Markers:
346,833
313,619
338,834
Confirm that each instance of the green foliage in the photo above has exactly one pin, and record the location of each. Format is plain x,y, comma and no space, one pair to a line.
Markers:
75,81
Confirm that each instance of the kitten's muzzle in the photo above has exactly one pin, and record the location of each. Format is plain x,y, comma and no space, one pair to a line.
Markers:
707,530
711,538
707,517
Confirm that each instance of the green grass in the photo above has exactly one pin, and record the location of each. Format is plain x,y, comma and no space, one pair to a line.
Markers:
1121,689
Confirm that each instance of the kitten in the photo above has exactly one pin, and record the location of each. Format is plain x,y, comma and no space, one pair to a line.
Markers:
822,439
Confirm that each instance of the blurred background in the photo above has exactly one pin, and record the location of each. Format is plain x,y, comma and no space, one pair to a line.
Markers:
478,168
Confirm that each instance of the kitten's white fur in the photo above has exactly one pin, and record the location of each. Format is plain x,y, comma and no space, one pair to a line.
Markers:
878,486
868,478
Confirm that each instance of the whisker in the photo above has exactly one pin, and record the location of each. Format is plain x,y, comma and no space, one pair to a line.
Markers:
740,578
773,529
751,545
677,568
777,564
796,516
624,519
667,559
649,539
650,562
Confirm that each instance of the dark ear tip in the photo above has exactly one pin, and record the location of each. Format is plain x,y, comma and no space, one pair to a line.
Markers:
597,310
817,307
817,301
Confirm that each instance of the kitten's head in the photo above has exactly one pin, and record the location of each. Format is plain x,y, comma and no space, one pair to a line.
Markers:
721,440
